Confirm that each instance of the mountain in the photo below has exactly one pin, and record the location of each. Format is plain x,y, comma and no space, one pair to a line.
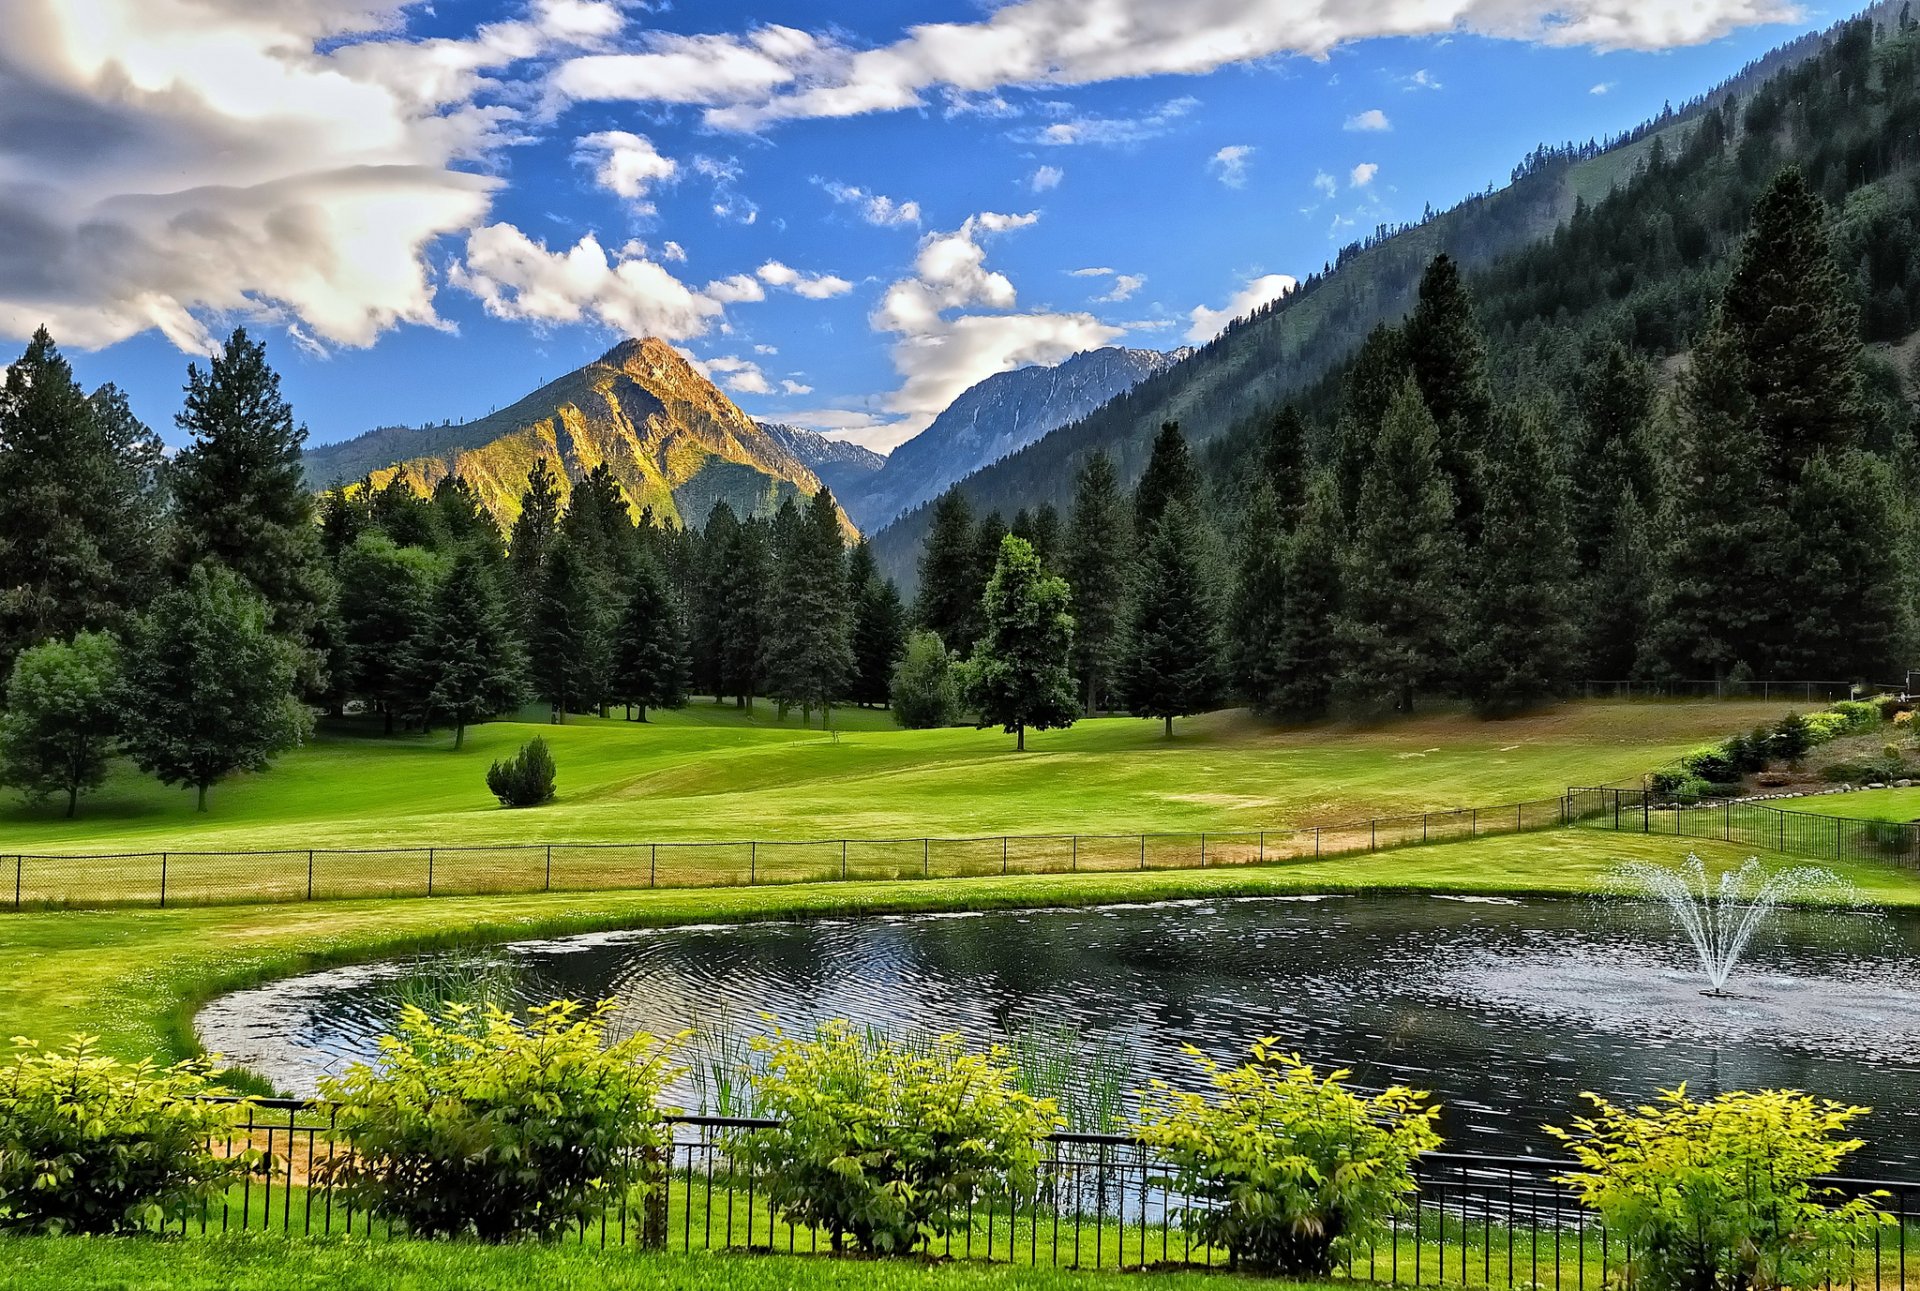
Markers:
996,417
843,467
1286,349
673,440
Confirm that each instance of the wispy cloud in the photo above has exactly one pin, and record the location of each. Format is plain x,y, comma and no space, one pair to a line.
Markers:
1371,119
1229,165
1362,175
1045,179
875,208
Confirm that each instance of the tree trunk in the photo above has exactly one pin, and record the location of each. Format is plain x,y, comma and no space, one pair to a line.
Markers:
643,712
1089,692
387,712
459,736
200,803
1020,738
1169,720
73,800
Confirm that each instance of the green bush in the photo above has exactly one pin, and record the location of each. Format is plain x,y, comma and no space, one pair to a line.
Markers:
1679,786
526,778
92,1145
1891,837
1792,739
925,692
1861,714
1721,1195
886,1143
1295,1170
1827,727
1712,762
473,1122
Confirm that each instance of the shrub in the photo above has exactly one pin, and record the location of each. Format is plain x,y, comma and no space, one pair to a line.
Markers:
526,778
886,1143
1295,1169
477,1123
1680,786
925,691
1712,762
1721,1195
1792,739
92,1145
1891,837
1861,715
1826,727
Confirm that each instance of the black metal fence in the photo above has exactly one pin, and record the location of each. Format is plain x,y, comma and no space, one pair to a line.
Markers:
207,878
1750,824
1099,1201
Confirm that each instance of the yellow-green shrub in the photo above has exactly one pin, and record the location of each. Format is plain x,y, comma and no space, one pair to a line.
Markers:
889,1143
1294,1168
474,1122
1721,1195
89,1144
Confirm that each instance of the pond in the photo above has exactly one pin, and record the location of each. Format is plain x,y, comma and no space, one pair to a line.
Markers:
1507,1010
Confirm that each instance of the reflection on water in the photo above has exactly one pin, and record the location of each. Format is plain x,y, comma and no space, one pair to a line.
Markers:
1507,1010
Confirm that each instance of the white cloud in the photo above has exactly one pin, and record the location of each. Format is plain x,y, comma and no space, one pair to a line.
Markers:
1229,165
875,208
580,22
772,73
1112,131
737,289
1097,272
1045,179
1124,286
813,286
766,349
1371,119
1326,185
1208,323
673,251
625,164
1423,80
742,376
791,387
1362,175
516,277
1604,87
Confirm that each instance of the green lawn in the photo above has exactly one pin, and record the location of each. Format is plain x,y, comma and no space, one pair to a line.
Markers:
1868,804
277,1264
710,772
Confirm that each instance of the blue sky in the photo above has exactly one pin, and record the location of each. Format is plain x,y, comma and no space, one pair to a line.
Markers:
846,211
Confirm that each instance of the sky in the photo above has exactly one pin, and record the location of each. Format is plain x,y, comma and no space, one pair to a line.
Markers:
845,211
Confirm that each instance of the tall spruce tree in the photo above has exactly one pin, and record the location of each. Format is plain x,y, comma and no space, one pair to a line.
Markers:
1305,654
744,606
1018,676
1400,567
240,496
386,595
79,507
567,633
533,533
1448,358
1258,610
1099,558
470,654
1842,571
650,653
714,545
1520,637
1616,593
1173,653
879,628
949,600
811,643
1285,461
1613,403
463,519
405,517
1170,477
1378,370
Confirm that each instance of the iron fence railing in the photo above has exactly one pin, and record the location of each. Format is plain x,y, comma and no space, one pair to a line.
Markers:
1750,824
1098,1201
207,878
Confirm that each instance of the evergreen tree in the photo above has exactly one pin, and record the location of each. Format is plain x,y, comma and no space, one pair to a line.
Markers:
1378,370
386,599
811,641
1257,611
1448,357
1170,477
1018,678
208,684
649,660
1400,568
924,693
463,519
470,655
879,627
716,545
949,600
986,550
1098,559
1173,660
1284,461
534,531
1520,634
1718,529
567,635
1842,571
598,527
1614,405
240,495
404,516
746,618
1789,308
78,504
1616,593
343,518
63,711
1305,655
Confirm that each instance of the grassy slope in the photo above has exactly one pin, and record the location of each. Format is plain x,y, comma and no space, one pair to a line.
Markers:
133,977
218,1264
1868,804
711,773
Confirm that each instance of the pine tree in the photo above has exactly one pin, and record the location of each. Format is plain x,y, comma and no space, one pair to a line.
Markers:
598,527
1305,652
1616,593
566,633
649,659
534,531
1789,308
811,642
79,515
343,519
62,714
208,684
1284,461
1520,633
1099,550
879,628
1718,530
1173,658
1378,370
1842,571
1170,477
386,598
240,495
463,519
949,600
470,654
1400,569
1614,403
744,604
404,516
1018,678
1257,610
1447,355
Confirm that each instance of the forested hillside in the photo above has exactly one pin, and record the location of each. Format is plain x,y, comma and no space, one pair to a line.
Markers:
1625,239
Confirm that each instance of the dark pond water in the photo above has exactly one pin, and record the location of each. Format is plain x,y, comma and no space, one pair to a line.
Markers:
1507,1010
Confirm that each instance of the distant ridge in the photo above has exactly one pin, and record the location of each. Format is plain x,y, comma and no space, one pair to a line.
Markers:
842,466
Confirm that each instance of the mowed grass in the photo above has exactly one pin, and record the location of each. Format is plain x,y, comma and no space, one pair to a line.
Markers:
1867,804
712,772
134,977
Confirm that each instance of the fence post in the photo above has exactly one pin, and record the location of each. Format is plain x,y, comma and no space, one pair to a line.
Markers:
1143,851
309,874
843,858
163,880
1316,842
19,865
926,857
1003,853
1473,824
1426,818
653,865
1726,830
546,882
1838,827
1373,835
1517,825
753,863
1646,811
1263,847
429,871
1203,849
1073,861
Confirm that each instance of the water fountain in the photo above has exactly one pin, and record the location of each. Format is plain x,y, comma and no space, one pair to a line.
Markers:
1721,917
